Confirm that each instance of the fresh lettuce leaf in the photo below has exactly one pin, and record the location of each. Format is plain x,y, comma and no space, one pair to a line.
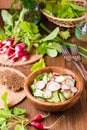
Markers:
38,65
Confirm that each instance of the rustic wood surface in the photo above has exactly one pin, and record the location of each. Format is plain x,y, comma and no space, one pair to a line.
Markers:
76,117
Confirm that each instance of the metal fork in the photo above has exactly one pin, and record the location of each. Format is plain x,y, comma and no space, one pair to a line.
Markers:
76,57
68,57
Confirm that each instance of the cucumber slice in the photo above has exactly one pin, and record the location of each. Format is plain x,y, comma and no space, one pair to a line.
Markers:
54,98
45,78
47,94
38,93
62,98
40,85
68,94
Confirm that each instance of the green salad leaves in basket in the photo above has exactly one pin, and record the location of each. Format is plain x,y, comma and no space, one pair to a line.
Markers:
64,8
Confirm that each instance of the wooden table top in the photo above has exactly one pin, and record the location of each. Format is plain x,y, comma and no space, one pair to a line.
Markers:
75,117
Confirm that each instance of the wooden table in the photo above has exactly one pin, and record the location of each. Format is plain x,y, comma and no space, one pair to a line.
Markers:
76,117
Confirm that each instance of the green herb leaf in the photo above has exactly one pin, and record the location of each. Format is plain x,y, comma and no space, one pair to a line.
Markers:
52,35
4,98
4,127
38,65
51,52
65,34
19,127
2,120
7,17
18,111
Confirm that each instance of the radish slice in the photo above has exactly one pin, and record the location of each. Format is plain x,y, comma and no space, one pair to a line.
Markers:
68,94
55,74
69,77
40,84
53,86
60,79
70,82
65,87
47,94
74,89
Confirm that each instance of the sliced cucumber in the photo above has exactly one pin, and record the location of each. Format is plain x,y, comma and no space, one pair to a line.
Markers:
38,93
62,98
47,94
40,84
54,98
45,78
68,94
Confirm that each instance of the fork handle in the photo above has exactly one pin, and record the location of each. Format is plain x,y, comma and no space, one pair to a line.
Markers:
83,68
80,69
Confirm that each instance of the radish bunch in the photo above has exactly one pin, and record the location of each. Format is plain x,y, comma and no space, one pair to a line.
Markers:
13,52
52,87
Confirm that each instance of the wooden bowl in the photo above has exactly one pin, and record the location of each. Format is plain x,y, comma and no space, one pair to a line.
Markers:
58,106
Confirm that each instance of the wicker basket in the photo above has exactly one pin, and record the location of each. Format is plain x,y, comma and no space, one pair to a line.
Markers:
65,22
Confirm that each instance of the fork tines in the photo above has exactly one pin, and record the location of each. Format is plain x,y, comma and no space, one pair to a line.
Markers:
66,53
74,49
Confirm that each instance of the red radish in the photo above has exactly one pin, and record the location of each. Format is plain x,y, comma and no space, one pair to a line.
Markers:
1,44
60,78
9,54
20,47
53,86
40,126
65,87
74,89
40,84
37,125
25,57
9,41
20,54
13,59
39,117
4,49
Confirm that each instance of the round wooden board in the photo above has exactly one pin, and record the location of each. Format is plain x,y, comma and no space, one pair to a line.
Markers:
33,57
13,97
